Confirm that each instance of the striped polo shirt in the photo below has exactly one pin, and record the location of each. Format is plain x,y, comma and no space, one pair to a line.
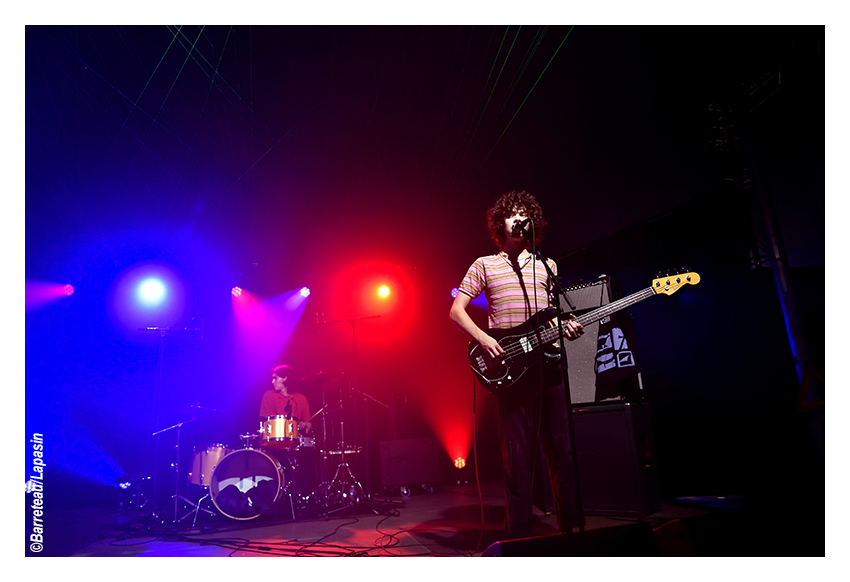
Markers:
510,294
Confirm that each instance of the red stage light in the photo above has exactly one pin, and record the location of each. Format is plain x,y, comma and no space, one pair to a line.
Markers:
460,462
383,291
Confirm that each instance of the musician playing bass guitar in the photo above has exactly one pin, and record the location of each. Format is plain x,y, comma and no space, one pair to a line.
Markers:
516,287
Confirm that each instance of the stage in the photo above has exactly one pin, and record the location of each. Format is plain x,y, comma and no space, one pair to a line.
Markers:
453,521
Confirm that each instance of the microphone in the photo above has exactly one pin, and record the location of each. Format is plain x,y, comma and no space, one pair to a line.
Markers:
520,226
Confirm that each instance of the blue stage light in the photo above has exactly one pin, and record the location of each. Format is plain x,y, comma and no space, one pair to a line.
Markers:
151,292
146,295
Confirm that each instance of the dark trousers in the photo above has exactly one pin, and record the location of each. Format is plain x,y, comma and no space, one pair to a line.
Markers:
534,413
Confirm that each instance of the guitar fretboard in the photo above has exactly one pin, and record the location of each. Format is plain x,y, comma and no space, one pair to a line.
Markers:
551,334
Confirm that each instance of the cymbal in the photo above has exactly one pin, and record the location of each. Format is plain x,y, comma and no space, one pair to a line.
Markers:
323,378
199,409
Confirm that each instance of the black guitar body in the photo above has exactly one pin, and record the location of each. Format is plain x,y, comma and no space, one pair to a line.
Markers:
521,346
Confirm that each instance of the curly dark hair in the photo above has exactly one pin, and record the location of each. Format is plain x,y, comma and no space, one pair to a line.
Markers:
505,206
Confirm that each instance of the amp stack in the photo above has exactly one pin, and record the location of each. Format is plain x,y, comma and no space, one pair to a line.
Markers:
618,474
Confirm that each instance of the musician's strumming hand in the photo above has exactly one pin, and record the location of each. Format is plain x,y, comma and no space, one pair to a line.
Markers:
491,346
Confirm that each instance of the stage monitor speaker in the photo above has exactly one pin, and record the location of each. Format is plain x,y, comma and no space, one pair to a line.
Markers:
616,459
409,462
581,352
633,540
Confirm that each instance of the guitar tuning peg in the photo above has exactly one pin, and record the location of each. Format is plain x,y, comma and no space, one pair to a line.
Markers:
686,269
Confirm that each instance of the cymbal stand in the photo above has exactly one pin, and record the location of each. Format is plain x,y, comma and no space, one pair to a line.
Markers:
162,331
352,388
197,509
177,497
346,483
366,423
323,470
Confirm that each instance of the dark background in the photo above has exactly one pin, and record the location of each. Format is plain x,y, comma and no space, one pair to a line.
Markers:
273,157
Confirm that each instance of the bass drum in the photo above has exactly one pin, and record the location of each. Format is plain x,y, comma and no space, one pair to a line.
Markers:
247,483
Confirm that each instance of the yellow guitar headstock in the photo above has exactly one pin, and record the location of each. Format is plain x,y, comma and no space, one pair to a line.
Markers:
669,283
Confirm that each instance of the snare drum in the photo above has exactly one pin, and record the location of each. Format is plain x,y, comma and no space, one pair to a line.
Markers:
279,432
204,463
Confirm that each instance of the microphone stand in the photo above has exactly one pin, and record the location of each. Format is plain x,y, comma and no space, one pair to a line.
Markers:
157,390
177,497
559,291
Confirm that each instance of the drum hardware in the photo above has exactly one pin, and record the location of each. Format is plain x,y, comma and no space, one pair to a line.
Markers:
353,451
352,385
132,483
248,439
344,487
176,465
162,331
320,493
197,508
307,442
300,486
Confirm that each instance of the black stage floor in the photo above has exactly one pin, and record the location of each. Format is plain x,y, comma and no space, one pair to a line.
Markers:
462,520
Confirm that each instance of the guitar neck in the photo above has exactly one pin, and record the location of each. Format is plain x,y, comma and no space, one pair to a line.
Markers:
614,307
551,334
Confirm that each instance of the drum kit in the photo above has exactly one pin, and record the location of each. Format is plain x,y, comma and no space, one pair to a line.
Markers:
278,468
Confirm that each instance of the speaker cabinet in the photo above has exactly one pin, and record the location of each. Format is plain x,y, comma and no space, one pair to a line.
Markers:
409,462
616,459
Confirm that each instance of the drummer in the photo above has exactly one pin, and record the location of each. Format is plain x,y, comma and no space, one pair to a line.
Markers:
283,399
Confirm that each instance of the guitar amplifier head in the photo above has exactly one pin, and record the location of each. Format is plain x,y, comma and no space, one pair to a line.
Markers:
587,295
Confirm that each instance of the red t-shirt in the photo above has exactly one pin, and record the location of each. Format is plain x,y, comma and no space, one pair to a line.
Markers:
274,403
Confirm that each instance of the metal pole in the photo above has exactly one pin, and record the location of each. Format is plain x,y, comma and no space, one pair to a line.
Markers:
778,258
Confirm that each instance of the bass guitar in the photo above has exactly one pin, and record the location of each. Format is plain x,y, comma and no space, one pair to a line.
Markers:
522,344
